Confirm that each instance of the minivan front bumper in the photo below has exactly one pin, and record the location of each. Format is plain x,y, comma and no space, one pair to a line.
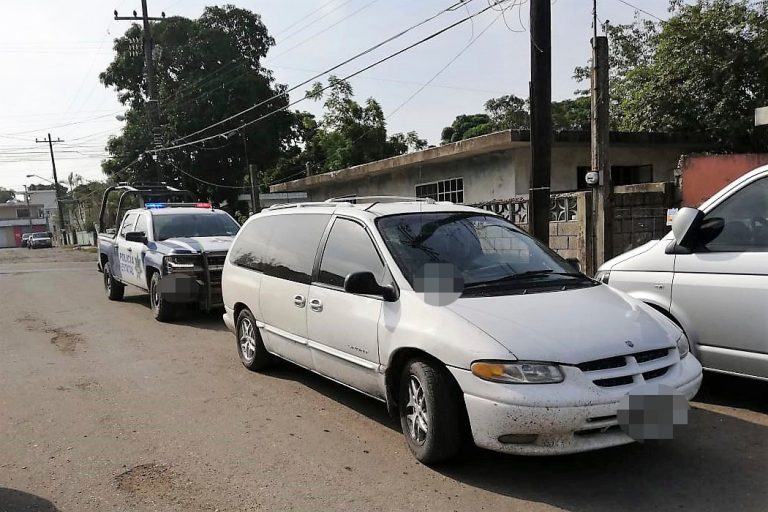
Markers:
551,419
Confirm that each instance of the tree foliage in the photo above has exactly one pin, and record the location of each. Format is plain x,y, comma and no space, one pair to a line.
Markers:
513,112
6,195
349,133
702,72
206,70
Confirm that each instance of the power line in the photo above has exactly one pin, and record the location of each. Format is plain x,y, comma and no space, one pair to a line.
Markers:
342,4
337,66
304,41
412,96
641,10
282,31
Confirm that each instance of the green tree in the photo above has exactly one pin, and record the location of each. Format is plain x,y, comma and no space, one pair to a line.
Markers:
513,112
702,72
206,70
6,195
349,133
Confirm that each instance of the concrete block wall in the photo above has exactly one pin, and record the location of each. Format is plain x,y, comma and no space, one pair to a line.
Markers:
640,214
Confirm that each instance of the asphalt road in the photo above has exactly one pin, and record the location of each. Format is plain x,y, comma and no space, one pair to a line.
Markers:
103,408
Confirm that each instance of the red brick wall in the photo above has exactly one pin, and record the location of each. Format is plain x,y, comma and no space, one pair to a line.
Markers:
703,176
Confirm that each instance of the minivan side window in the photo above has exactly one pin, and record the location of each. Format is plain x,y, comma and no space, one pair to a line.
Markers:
349,249
744,220
282,246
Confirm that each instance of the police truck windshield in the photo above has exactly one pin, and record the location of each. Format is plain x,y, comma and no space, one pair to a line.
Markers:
193,225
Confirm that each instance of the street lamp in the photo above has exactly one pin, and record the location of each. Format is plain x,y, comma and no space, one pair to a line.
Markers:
38,176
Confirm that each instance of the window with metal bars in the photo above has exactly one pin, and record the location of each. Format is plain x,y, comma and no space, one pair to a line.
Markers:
444,190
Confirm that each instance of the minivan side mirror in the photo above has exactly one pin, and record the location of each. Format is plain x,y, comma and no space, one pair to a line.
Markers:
136,236
364,283
686,225
574,262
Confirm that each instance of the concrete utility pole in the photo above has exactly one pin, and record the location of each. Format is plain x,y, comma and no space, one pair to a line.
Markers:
541,120
153,110
603,193
26,197
62,227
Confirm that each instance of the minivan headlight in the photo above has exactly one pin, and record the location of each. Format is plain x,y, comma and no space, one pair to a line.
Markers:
603,276
517,372
683,347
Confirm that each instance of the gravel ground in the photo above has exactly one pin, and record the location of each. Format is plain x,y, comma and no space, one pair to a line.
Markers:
104,409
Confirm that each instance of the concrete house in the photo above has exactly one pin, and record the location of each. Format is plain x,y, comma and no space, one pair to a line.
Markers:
17,218
497,166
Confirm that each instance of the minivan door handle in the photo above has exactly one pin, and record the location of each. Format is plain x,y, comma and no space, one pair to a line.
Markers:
299,301
316,305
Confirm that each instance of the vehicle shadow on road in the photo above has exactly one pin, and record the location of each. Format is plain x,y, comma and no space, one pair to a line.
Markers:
718,463
12,500
730,391
355,400
189,316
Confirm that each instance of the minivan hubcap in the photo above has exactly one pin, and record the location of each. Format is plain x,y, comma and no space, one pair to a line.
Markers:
416,411
247,339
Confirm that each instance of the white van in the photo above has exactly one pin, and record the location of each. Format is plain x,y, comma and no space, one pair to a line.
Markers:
710,276
531,357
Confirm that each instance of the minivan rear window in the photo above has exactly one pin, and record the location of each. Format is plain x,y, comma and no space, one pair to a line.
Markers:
282,246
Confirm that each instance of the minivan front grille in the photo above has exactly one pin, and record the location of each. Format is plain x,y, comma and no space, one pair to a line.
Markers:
627,369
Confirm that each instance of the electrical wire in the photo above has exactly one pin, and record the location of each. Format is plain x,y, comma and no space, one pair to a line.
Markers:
304,41
306,96
641,10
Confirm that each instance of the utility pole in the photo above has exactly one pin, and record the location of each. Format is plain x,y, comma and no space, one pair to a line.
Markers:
603,193
255,203
56,187
153,110
26,197
541,120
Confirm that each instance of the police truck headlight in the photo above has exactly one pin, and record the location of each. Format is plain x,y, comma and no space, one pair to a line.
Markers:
517,372
182,263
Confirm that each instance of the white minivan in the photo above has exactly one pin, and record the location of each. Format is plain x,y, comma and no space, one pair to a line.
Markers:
710,276
510,345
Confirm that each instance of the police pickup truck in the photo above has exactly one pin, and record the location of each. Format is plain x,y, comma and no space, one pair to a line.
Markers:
173,250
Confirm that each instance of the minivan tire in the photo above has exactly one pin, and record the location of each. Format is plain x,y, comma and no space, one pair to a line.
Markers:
162,310
438,402
250,347
114,289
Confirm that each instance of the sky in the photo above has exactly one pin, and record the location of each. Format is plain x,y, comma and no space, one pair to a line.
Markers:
53,51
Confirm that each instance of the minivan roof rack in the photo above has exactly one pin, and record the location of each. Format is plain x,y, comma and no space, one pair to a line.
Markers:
379,199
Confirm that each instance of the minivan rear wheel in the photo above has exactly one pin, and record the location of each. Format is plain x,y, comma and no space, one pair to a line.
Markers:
250,346
430,412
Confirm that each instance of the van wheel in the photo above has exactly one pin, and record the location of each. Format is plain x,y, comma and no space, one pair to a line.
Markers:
430,412
250,346
162,310
115,290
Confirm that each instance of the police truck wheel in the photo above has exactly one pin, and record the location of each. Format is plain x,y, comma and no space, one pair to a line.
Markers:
250,347
115,290
162,310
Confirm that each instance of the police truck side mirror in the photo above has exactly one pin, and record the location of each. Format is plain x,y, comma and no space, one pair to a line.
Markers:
136,236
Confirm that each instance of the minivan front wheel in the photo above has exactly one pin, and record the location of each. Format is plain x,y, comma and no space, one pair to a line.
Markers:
250,346
430,412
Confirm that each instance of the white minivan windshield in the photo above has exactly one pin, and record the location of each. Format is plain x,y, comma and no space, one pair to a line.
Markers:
488,251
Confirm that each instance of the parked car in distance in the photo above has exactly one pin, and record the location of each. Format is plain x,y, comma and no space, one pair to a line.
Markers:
530,358
710,276
39,240
25,239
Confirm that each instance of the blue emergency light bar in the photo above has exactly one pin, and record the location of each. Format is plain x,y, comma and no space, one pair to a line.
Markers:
165,205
